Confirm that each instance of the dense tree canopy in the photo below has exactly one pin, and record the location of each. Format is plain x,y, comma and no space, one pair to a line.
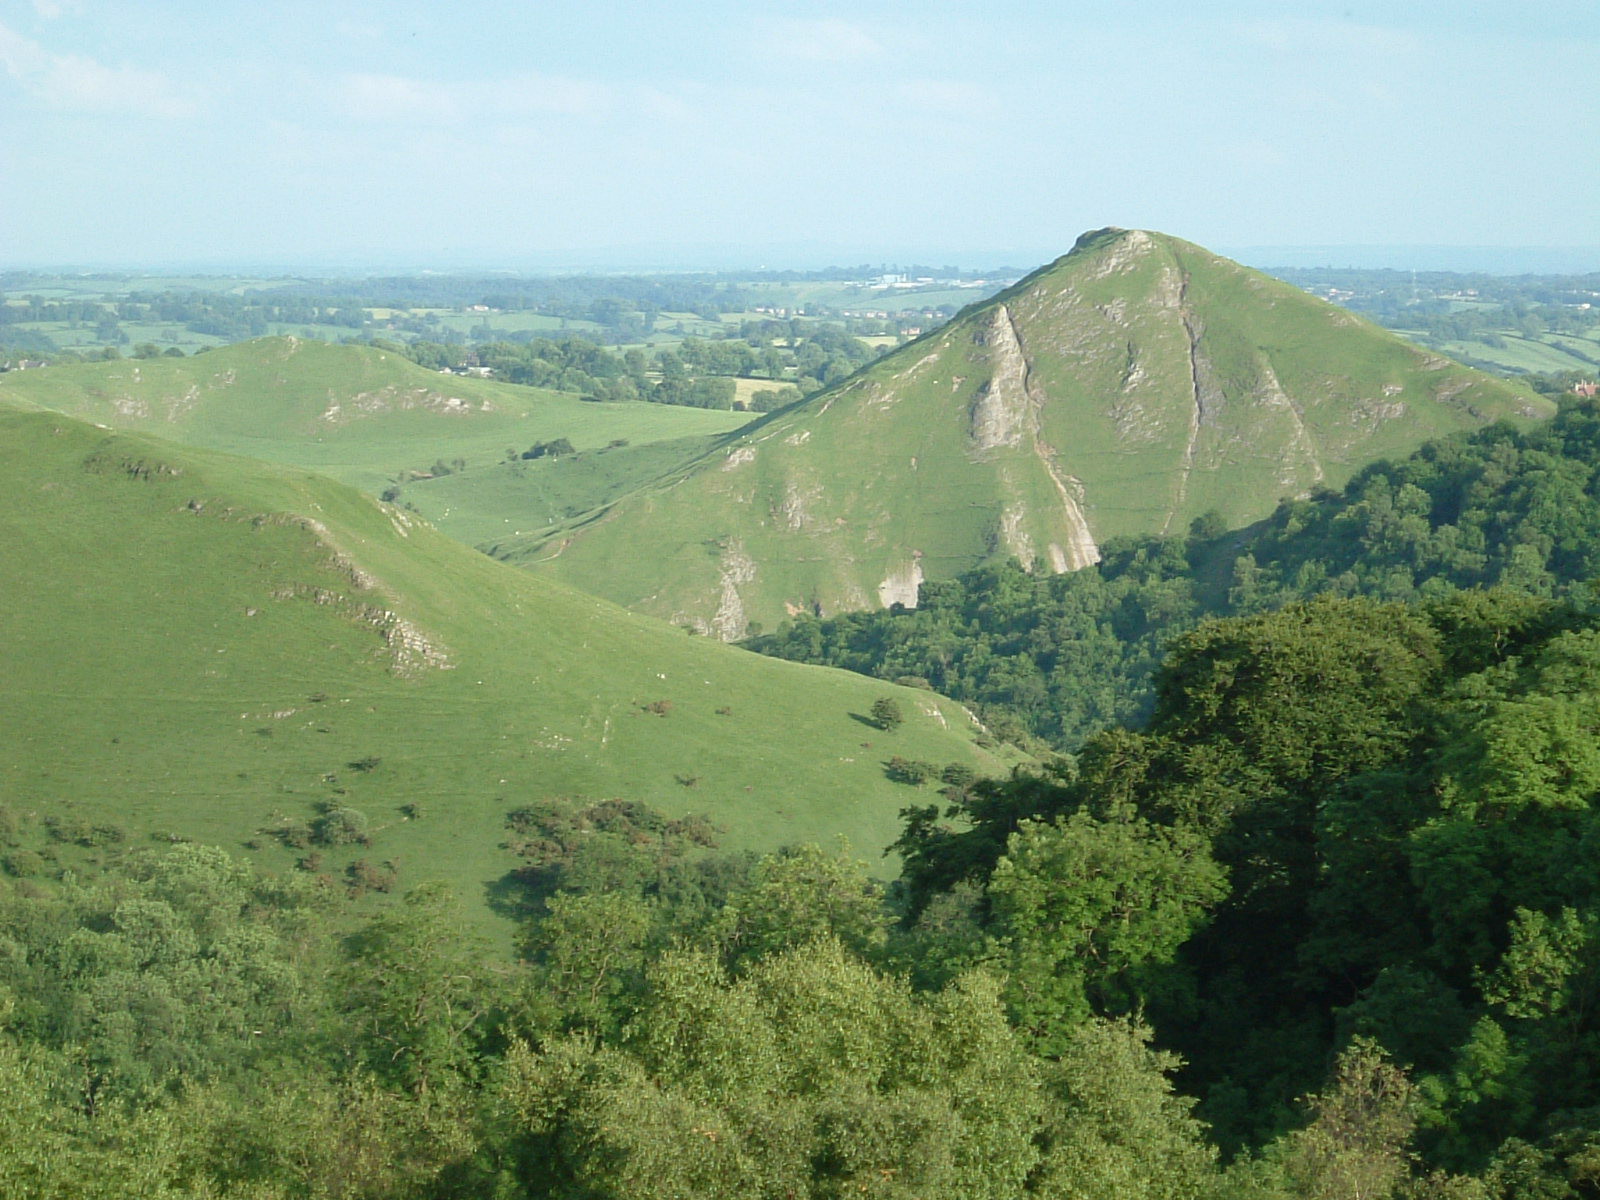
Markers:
1060,656
1401,799
1350,857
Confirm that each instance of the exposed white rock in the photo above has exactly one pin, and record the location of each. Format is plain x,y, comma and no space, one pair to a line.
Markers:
738,567
900,587
1124,254
999,414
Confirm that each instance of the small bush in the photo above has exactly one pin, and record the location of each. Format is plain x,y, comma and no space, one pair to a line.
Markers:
910,770
340,826
11,825
887,714
77,831
553,449
295,834
362,877
959,775
23,863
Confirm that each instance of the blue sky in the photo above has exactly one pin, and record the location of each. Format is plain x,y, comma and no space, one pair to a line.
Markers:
652,134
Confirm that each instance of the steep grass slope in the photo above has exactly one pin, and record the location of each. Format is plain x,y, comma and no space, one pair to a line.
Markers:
205,646
507,501
1129,387
359,414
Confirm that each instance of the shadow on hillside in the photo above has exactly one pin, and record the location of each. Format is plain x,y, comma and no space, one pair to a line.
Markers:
510,896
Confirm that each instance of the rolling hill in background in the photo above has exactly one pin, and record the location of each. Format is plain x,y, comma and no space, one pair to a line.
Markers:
207,647
1127,388
367,416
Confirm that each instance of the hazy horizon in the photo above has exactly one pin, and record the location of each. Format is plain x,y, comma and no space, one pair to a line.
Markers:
1490,260
644,135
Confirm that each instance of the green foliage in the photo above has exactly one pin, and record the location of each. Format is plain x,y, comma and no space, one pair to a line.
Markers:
340,826
189,967
1085,908
1401,798
413,995
911,770
771,399
887,714
1356,1143
1115,1127
810,1076
1074,653
589,951
552,449
1550,966
799,896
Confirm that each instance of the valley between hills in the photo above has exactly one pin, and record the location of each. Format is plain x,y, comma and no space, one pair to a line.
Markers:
1160,760
208,643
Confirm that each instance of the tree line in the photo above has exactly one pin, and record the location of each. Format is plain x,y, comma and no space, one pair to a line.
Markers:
1057,657
695,372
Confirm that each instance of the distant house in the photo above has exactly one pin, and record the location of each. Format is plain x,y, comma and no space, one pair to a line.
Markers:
1587,388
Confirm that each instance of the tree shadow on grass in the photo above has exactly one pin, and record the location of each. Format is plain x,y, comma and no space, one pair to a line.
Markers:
511,896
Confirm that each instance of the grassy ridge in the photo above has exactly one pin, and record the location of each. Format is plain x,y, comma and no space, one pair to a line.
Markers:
205,646
358,414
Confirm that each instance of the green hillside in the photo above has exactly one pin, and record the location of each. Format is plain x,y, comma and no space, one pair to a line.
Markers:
363,415
512,500
1070,655
207,647
1127,388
